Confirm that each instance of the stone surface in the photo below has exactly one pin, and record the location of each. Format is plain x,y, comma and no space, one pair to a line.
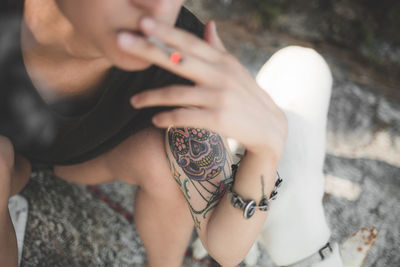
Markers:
68,225
363,123
369,28
377,206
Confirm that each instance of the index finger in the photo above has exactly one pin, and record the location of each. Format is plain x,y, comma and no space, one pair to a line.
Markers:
191,67
180,39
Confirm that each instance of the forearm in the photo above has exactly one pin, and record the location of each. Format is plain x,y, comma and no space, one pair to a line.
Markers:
201,164
228,235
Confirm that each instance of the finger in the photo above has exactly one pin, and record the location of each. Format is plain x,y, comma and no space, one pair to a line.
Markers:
180,39
190,67
211,36
186,117
175,95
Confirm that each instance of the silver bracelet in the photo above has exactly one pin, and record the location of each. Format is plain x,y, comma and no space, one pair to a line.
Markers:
249,207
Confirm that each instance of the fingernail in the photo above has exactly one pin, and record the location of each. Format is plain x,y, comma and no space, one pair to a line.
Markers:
134,100
156,120
148,23
126,40
214,26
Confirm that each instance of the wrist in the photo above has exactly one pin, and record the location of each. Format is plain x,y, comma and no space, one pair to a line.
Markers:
254,172
250,205
272,144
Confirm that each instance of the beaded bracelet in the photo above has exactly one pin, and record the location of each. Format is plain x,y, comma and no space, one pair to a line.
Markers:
249,207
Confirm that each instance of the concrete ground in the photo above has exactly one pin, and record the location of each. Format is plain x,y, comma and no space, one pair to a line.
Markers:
71,225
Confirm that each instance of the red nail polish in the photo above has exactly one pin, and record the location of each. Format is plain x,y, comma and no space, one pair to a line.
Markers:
176,58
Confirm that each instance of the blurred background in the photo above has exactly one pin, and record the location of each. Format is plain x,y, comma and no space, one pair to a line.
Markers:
90,226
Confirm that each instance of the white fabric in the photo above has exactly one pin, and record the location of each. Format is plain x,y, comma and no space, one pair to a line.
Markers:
299,81
18,208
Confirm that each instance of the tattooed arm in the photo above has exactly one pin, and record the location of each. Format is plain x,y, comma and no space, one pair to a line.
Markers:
226,99
200,161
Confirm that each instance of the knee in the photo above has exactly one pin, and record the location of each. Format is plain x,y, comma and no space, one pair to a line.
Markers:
6,165
157,178
299,60
149,165
295,64
6,154
296,76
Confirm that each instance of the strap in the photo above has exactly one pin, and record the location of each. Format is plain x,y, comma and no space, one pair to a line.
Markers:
325,252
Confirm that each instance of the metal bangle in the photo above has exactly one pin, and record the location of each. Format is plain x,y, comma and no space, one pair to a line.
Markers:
250,206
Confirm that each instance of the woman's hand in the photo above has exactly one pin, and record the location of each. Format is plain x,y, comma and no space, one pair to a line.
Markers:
225,99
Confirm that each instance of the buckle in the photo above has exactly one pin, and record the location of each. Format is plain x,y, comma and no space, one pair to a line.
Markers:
325,251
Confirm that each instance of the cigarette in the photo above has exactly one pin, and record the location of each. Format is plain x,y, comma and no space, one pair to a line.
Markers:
166,48
174,56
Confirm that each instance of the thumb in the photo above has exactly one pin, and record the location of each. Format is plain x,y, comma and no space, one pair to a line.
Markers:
211,36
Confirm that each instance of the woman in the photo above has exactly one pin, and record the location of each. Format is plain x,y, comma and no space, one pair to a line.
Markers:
90,65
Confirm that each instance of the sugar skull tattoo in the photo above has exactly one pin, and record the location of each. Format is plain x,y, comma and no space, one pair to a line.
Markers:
201,156
198,152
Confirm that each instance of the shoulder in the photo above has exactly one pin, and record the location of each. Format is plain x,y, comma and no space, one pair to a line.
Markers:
188,21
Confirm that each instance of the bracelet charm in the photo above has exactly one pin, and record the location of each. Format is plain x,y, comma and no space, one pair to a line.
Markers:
264,203
249,207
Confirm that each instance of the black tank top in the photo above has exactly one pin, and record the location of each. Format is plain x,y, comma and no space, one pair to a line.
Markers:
44,135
